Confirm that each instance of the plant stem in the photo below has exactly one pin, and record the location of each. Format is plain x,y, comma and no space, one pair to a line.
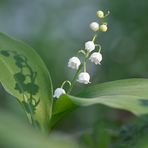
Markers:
94,38
75,78
84,66
87,54
68,82
78,72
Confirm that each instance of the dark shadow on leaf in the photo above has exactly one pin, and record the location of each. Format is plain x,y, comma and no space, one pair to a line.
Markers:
24,82
143,102
5,53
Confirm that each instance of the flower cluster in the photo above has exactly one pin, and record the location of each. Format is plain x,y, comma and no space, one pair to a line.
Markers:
92,52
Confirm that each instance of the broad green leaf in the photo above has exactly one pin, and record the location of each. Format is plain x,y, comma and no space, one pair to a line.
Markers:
129,94
25,76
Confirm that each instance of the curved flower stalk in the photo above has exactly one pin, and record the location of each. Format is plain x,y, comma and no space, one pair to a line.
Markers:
91,51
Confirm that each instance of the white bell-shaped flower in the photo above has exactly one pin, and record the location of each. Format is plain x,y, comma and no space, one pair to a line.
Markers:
96,58
103,28
94,26
58,92
74,63
89,46
84,78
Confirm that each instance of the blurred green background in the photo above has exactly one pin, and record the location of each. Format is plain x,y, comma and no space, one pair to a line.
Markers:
57,29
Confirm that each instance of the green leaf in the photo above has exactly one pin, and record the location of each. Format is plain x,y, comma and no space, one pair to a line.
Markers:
25,76
129,94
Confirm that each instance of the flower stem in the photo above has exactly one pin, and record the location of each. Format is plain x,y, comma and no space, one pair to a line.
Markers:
94,38
78,72
68,82
87,54
75,78
84,66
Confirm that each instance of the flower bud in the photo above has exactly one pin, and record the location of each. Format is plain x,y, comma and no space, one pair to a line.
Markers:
89,46
100,14
58,92
96,58
103,28
94,26
74,63
83,78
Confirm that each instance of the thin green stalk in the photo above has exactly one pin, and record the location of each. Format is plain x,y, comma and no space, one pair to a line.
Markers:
87,54
94,38
75,78
78,72
68,82
84,66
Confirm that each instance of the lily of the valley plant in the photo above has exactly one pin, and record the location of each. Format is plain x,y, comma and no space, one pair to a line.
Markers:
25,76
91,51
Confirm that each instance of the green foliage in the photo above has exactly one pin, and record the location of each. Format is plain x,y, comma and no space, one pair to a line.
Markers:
130,95
19,134
125,51
131,135
24,75
98,138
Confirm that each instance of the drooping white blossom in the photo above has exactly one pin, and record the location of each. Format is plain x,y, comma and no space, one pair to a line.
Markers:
103,28
84,78
89,46
94,26
100,14
74,63
96,58
58,92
